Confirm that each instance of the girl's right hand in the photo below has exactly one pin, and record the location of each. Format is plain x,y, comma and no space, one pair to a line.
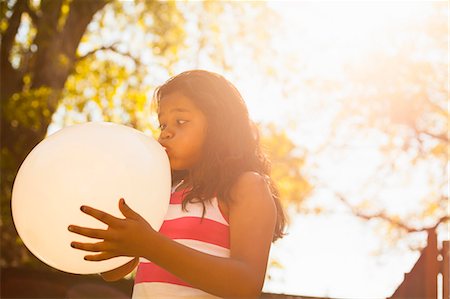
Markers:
121,271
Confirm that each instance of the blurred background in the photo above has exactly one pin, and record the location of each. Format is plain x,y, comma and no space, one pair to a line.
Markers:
351,99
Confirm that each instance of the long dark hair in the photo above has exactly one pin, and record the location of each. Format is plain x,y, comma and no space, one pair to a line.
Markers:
232,142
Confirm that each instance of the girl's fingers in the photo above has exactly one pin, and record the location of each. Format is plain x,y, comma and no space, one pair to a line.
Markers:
92,247
99,257
88,232
127,211
101,216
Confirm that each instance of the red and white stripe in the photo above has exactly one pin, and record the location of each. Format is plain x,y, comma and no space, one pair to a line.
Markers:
209,234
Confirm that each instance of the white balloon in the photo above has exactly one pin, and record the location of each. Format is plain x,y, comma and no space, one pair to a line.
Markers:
92,164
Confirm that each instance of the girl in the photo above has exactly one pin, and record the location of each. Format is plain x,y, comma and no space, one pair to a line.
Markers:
224,209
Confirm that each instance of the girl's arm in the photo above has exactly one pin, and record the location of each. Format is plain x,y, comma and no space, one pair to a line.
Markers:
252,216
121,271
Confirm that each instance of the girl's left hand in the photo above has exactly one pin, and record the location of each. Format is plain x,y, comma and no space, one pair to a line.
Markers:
123,237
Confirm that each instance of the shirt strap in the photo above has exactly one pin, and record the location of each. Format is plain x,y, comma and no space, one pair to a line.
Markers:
176,186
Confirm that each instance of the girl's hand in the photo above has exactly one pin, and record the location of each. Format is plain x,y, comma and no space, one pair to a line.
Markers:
121,271
123,237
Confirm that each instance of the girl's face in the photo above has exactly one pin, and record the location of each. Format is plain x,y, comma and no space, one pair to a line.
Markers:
183,130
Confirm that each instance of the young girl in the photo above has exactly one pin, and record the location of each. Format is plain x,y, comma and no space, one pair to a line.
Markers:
224,209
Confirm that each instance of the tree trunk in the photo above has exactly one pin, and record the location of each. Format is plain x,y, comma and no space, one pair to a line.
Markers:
51,65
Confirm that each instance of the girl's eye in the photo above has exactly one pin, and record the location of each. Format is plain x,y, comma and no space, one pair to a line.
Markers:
179,122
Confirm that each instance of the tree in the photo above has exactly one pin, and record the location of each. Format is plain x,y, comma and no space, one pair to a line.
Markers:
40,60
287,166
99,60
401,95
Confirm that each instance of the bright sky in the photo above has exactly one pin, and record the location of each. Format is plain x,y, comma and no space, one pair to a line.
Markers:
334,254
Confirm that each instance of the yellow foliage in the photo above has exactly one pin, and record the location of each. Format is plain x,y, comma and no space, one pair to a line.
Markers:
286,166
26,108
3,25
439,149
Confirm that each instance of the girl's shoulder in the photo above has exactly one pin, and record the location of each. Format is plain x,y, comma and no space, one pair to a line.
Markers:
249,180
251,187
250,197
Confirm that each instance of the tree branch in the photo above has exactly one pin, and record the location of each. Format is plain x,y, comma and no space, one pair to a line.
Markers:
13,25
33,15
80,15
382,215
112,48
60,45
442,137
10,81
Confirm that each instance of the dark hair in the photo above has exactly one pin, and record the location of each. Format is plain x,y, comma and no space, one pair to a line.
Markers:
232,142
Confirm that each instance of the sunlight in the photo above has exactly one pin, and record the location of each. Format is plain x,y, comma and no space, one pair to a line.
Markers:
318,46
330,35
325,41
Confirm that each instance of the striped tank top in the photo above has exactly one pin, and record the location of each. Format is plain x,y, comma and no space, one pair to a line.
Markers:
209,235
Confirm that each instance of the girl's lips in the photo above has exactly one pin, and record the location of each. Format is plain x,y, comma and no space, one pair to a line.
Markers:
166,148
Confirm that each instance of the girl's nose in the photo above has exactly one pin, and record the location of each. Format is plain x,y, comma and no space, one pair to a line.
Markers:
165,134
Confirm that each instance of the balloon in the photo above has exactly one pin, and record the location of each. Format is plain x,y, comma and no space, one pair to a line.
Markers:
92,164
